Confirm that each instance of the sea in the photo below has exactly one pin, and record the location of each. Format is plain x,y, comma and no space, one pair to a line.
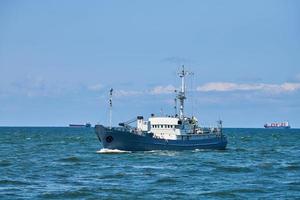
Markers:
68,163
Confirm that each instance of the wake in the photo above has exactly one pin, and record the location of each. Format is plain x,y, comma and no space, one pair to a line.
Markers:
112,151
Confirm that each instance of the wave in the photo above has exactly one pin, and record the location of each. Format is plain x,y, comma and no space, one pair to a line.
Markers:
70,159
234,169
167,180
12,182
147,167
5,163
112,151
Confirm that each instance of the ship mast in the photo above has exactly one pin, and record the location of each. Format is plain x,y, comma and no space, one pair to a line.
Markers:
181,94
175,106
110,107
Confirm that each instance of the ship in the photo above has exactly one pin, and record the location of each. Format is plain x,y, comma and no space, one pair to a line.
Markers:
278,125
87,125
177,132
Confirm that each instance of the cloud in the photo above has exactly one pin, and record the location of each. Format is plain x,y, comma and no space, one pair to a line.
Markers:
228,86
159,90
97,87
290,86
126,93
163,89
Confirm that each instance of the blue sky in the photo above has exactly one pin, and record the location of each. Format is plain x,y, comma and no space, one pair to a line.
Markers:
58,60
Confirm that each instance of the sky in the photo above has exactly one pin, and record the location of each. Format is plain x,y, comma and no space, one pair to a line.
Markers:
58,60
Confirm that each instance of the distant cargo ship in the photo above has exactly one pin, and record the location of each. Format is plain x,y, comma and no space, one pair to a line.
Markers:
278,125
87,125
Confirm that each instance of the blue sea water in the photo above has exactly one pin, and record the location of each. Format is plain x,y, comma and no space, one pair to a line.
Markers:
63,163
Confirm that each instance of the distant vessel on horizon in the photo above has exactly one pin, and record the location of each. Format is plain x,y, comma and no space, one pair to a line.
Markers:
87,125
278,125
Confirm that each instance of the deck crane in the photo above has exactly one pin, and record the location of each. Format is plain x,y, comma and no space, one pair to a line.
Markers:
126,124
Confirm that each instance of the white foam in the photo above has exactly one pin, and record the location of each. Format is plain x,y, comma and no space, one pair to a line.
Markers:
200,150
148,167
104,150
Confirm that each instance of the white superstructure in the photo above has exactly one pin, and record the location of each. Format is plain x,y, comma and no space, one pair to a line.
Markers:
174,127
164,127
278,125
161,127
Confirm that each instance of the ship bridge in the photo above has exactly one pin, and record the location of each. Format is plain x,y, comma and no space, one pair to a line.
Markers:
164,127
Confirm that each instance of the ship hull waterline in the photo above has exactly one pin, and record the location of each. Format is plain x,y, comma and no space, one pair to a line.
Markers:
127,141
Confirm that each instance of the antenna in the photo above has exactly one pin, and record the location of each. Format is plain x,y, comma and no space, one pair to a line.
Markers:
175,105
181,94
192,94
220,126
161,111
110,107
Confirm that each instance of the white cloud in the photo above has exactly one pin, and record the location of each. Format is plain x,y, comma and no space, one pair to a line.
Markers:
96,87
163,89
169,89
228,86
290,86
125,93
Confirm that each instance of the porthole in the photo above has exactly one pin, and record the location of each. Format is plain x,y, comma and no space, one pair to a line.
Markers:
109,139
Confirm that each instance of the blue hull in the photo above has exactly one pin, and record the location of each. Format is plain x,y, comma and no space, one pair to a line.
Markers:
127,141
